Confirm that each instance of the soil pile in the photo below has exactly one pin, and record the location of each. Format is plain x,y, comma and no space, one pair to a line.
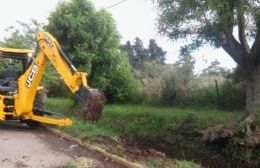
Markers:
93,111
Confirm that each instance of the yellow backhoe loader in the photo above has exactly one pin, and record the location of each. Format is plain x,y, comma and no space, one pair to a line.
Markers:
20,97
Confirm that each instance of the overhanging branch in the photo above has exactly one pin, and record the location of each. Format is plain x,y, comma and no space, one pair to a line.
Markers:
241,31
233,48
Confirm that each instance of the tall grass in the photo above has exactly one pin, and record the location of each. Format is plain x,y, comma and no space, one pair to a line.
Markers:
137,120
231,96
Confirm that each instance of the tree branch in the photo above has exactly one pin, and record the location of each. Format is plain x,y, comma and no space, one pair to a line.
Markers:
233,48
241,31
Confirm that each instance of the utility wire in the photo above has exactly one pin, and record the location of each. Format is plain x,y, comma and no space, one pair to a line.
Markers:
118,3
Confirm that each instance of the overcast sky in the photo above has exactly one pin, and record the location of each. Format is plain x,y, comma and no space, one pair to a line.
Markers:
133,18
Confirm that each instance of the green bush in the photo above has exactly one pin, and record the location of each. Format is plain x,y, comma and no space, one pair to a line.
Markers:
119,84
53,83
203,97
175,92
122,86
56,88
232,95
169,91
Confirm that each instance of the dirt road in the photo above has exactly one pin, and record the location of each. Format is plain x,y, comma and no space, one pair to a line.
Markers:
21,147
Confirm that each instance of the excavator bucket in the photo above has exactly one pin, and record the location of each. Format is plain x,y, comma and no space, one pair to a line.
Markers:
92,102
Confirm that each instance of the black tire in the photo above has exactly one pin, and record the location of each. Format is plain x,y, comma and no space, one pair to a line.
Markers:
38,103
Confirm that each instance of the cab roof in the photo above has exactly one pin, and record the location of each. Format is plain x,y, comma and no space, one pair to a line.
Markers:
14,53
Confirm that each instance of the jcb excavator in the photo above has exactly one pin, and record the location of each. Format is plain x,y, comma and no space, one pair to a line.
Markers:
20,98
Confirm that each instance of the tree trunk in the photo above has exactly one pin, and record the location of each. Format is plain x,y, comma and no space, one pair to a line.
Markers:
252,98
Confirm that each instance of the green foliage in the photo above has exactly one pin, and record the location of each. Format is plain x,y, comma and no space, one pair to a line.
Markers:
187,164
79,128
89,37
130,52
185,62
24,36
85,130
170,163
205,20
156,53
177,92
231,96
204,97
91,41
141,53
177,85
214,69
122,86
139,121
72,165
178,126
138,54
150,75
169,90
213,22
53,83
148,65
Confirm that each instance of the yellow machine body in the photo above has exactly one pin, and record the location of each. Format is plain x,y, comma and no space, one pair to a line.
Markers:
29,82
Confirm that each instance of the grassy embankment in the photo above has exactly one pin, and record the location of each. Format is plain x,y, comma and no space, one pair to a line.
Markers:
145,123
136,120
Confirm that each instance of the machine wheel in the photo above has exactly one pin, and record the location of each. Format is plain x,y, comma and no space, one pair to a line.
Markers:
38,103
32,124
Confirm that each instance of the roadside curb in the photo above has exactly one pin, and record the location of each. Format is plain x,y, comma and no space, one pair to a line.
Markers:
111,156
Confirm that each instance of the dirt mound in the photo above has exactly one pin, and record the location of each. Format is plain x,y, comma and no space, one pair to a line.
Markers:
95,106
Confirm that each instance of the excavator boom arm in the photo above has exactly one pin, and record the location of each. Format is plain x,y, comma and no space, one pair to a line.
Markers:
49,51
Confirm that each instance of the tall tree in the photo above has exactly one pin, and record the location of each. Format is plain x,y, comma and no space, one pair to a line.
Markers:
91,41
86,35
130,51
141,53
156,53
213,22
185,67
137,53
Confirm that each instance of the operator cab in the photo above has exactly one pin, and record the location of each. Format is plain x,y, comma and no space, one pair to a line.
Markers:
13,63
16,55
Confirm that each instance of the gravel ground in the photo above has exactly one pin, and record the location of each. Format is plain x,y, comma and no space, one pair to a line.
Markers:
22,147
